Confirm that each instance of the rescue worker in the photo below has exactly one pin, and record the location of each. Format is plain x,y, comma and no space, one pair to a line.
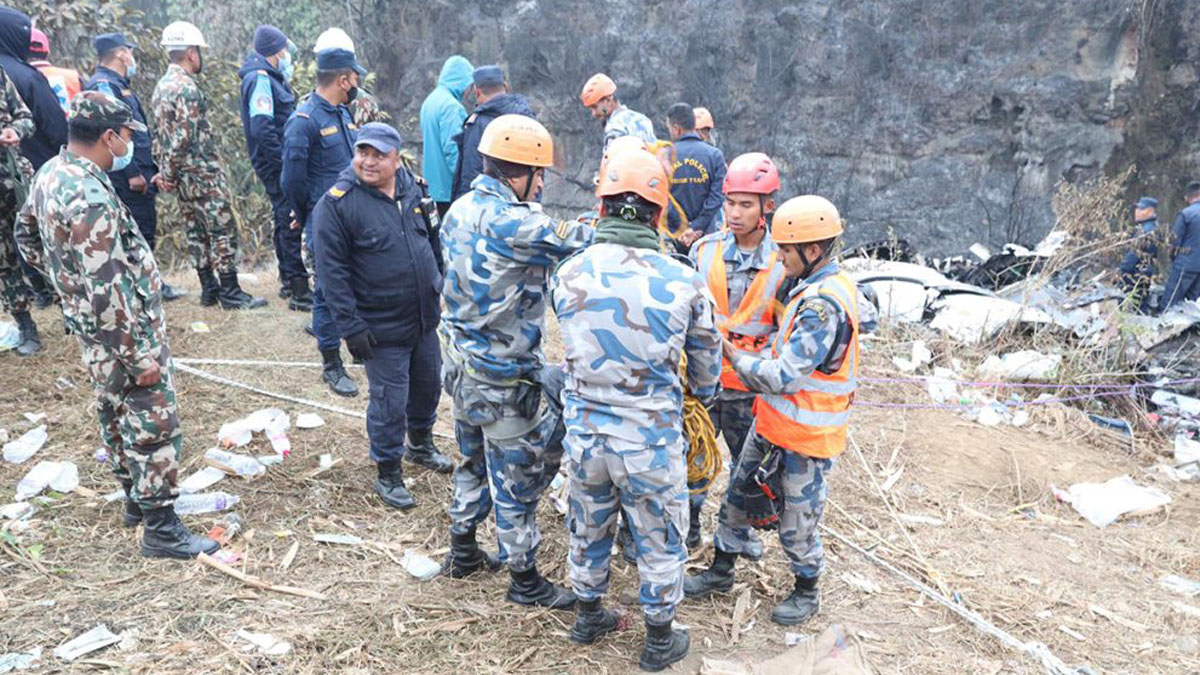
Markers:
32,87
16,124
187,158
115,68
704,125
365,107
805,388
697,176
493,98
65,82
600,96
267,101
442,116
1184,280
76,230
499,246
744,271
318,144
628,314
1140,264
378,267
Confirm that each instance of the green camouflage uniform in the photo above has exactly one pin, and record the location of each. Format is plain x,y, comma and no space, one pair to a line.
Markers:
186,151
15,171
75,230
365,109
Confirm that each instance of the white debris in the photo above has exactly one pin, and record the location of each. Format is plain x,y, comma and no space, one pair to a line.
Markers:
941,385
233,463
1175,402
271,421
1187,457
309,421
19,660
58,476
980,252
26,446
201,480
264,643
10,336
1180,585
17,510
1102,503
921,356
419,565
34,418
344,539
204,502
1027,365
972,318
96,638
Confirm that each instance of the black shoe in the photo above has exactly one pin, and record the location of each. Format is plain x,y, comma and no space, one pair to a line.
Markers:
466,558
231,295
664,646
390,486
170,293
165,536
133,512
423,452
285,291
300,294
593,622
625,542
209,288
718,577
31,342
801,605
693,536
335,376
44,297
530,588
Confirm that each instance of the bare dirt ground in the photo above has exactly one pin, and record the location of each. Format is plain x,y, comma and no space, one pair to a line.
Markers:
985,525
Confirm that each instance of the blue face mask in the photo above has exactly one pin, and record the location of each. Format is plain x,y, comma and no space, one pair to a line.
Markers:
287,68
132,69
121,162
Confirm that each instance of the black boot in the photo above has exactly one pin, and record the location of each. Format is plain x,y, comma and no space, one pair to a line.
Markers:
43,294
209,288
31,342
390,486
334,374
593,622
231,295
165,536
170,293
300,295
285,291
693,535
664,646
133,512
718,577
422,451
801,605
626,543
530,588
465,557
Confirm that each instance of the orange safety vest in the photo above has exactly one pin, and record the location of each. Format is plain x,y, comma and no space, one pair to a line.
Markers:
751,326
65,82
813,421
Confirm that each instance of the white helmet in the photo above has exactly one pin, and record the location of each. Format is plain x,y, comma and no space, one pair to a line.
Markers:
334,38
182,34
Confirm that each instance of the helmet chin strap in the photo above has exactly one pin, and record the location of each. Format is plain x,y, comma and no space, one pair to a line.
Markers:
809,265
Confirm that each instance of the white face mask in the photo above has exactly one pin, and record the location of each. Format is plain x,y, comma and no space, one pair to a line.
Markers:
131,67
122,161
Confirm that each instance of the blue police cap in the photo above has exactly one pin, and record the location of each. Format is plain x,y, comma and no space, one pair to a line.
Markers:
1147,203
339,59
489,76
382,137
107,42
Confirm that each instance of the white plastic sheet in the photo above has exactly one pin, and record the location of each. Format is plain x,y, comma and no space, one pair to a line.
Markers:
1103,503
58,476
26,446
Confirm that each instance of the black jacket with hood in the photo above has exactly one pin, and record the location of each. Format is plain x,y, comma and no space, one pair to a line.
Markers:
470,163
41,100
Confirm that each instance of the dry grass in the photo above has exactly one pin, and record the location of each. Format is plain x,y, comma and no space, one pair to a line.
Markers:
1011,565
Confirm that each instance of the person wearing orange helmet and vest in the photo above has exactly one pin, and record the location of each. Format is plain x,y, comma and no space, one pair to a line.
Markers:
600,96
65,82
745,274
805,388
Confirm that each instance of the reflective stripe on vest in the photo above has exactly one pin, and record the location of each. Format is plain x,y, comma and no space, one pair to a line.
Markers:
754,319
813,421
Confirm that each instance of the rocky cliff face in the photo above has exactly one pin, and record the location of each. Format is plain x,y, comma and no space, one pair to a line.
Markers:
945,122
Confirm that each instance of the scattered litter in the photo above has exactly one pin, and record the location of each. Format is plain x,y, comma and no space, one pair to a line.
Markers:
58,476
272,421
34,418
19,660
921,356
1187,458
10,336
1102,503
309,421
201,480
345,539
793,639
1020,418
96,638
199,327
1184,608
114,496
1174,402
247,278
861,583
269,460
226,528
1112,423
64,383
419,565
227,557
980,251
325,461
941,385
234,464
101,454
264,643
26,446
204,502
17,511
1024,366
1180,585
989,416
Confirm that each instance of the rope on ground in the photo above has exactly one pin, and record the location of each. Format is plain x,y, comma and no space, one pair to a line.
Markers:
183,367
250,362
1039,651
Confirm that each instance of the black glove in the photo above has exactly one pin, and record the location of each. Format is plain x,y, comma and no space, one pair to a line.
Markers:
763,491
361,345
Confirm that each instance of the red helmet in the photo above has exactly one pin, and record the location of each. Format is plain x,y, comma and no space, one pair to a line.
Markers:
753,173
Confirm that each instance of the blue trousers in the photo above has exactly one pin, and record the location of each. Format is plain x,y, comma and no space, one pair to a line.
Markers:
287,240
142,207
1183,284
404,385
324,327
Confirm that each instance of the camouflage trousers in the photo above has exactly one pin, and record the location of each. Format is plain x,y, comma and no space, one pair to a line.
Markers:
139,427
14,292
732,418
805,490
212,235
647,484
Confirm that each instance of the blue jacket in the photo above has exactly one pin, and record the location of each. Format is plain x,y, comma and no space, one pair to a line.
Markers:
1186,239
51,133
442,116
267,102
117,85
1139,260
376,262
318,143
699,174
470,162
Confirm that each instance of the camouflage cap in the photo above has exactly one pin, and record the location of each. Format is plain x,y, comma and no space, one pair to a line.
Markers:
103,110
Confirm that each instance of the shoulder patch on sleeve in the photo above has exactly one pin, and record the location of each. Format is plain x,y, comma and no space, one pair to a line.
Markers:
337,192
301,114
328,131
94,192
562,229
262,100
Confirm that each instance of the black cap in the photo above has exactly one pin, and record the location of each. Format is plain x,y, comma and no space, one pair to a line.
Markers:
489,76
107,42
339,59
382,137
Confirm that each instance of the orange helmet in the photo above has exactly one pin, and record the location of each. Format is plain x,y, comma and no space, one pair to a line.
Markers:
597,87
802,220
619,146
518,139
752,172
639,172
704,118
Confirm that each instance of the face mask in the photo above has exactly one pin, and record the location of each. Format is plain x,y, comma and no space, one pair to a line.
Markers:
131,69
287,68
121,162
199,61
351,94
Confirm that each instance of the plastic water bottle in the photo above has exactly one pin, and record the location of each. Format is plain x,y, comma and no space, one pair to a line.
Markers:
205,502
241,465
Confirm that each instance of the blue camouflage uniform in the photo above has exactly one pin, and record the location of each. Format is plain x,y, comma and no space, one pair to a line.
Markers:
1184,280
818,323
498,253
626,122
267,102
697,179
318,143
628,314
141,204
